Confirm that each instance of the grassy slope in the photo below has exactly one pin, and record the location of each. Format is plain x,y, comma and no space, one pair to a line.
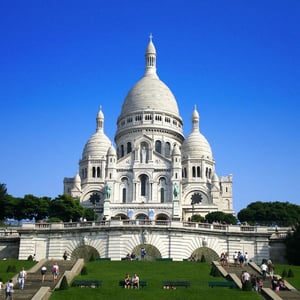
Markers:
19,264
154,273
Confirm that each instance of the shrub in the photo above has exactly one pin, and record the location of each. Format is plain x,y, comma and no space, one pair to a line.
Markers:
247,286
64,284
92,258
214,271
202,258
84,271
290,273
11,269
284,273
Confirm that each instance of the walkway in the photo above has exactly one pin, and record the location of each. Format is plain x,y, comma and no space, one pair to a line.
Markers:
33,282
234,273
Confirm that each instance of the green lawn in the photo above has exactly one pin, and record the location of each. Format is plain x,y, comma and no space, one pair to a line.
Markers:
110,272
15,263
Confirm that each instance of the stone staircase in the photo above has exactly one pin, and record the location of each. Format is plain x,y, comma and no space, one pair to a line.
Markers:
33,283
234,273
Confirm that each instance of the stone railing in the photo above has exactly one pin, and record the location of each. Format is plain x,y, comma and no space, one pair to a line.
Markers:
9,232
274,232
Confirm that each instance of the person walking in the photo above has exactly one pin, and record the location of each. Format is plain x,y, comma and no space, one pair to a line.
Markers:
9,288
43,273
55,271
21,278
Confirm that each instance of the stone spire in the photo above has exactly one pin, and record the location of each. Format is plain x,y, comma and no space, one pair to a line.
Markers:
150,55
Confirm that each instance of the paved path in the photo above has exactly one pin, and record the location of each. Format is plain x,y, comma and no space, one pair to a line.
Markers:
285,295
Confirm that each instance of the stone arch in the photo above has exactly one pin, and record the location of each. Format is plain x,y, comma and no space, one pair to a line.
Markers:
152,252
162,217
122,216
208,253
86,252
141,216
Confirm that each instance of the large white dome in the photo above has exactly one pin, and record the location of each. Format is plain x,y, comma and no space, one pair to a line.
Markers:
150,93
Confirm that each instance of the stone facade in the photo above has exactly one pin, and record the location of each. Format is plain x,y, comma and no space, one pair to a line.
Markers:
154,172
114,239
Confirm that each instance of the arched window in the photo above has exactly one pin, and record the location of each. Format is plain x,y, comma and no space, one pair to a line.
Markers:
122,150
194,171
162,185
158,146
93,172
98,172
198,172
162,195
168,149
124,195
129,147
143,184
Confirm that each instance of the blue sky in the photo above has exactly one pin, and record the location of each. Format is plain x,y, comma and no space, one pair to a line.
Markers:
238,61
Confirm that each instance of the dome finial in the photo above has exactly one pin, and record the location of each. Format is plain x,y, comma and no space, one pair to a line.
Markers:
195,119
150,59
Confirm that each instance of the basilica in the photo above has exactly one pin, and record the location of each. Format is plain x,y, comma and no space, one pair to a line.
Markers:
151,171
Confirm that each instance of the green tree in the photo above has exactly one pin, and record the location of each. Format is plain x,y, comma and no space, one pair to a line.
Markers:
270,213
221,217
65,208
3,200
34,207
293,247
90,214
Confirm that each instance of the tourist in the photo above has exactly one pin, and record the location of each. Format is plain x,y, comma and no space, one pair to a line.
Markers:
55,271
127,282
21,278
235,258
65,256
9,288
264,269
135,281
245,277
43,273
143,253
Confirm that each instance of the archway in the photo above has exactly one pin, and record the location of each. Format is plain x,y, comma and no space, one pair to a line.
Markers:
205,253
86,252
122,216
162,217
151,252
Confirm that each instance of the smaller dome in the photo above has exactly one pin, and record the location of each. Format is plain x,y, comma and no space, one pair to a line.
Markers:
196,145
96,146
77,178
99,143
111,151
176,150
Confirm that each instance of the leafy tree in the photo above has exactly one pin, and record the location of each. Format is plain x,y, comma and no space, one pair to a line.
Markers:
293,247
90,214
3,199
270,213
34,207
221,217
65,208
197,218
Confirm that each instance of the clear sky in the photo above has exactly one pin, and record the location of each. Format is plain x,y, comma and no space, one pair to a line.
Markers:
238,61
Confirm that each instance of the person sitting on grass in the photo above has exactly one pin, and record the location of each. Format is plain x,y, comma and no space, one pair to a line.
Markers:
135,281
127,282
